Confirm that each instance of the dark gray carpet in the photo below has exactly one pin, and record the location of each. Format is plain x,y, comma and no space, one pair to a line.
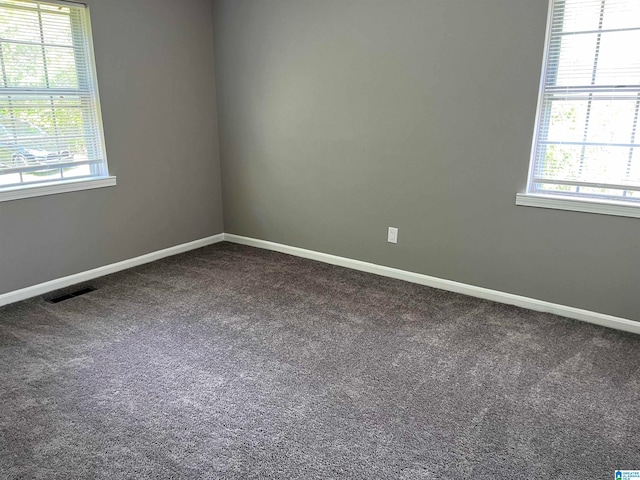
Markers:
232,362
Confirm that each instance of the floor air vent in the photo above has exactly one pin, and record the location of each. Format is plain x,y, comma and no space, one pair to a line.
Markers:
67,296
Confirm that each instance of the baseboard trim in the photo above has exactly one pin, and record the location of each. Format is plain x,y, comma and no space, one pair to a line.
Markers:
449,285
602,319
57,284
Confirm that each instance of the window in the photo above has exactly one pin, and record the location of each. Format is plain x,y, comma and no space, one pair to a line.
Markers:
587,140
50,127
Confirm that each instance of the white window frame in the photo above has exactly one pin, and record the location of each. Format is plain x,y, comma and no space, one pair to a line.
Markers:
100,177
565,202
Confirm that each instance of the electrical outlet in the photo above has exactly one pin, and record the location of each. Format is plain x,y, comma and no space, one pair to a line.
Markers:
392,237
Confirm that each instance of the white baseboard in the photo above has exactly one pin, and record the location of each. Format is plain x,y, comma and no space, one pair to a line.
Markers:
473,291
81,277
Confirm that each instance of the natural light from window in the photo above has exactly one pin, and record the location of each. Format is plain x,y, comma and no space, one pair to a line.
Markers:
587,143
50,125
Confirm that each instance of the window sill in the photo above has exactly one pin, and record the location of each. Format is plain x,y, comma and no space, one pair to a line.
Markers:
602,207
53,188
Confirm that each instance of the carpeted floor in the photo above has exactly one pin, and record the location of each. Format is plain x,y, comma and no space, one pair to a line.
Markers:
232,362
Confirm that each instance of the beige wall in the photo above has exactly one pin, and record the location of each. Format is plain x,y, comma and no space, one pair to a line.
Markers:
155,73
339,118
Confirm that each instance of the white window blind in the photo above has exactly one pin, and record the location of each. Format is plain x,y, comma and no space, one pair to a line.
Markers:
587,140
50,125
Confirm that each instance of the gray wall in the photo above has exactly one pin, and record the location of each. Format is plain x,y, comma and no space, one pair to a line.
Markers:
339,118
155,72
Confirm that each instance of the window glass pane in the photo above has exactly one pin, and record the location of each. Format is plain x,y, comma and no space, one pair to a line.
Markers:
29,144
558,162
605,165
19,25
567,120
61,67
619,58
79,171
57,29
24,65
54,127
621,14
590,164
574,61
611,121
43,175
6,150
8,179
21,4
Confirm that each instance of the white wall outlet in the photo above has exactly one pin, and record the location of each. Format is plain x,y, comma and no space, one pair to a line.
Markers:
392,237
